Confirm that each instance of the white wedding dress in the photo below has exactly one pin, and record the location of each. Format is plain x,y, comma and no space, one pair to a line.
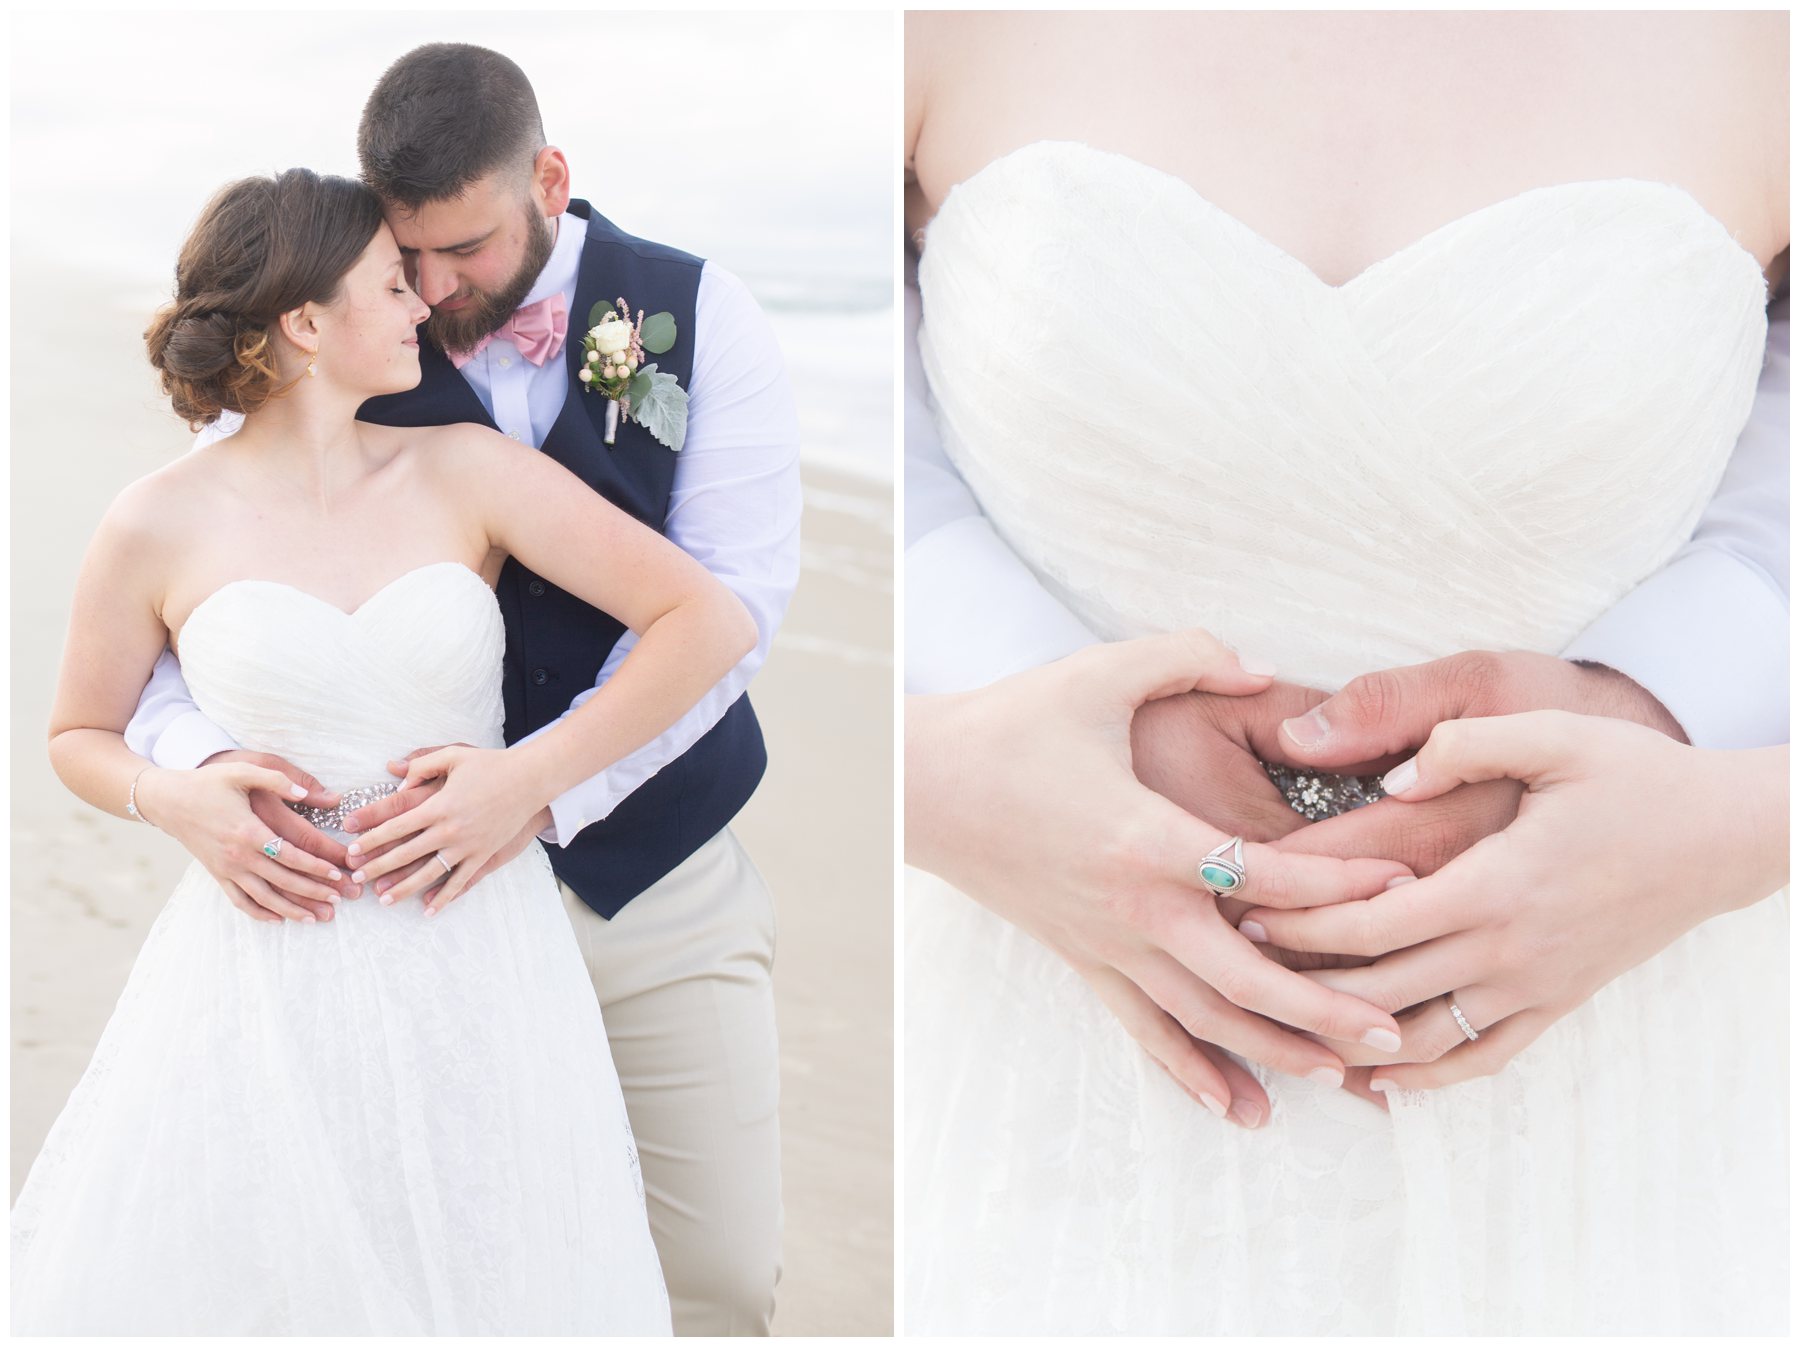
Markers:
1480,442
380,1124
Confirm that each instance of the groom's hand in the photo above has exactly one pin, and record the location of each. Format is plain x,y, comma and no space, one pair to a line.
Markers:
1202,752
1382,718
372,816
1199,750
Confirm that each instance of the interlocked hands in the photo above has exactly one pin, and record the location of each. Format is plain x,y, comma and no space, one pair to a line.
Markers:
1018,794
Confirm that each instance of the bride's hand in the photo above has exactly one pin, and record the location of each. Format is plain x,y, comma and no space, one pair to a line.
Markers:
1624,840
1377,720
487,801
1022,795
223,813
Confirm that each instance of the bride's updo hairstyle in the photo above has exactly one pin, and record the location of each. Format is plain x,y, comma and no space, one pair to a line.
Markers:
261,247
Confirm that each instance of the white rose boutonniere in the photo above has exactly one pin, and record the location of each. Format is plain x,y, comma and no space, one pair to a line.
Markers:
613,365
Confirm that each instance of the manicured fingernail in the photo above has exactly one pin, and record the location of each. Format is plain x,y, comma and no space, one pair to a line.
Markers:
1246,1113
352,826
335,875
1326,1075
1385,1040
297,791
1398,880
1308,731
309,919
1262,668
358,877
1402,778
355,848
431,912
1383,1085
1218,1109
1253,930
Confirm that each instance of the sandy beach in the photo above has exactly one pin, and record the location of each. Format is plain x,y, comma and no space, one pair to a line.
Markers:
87,419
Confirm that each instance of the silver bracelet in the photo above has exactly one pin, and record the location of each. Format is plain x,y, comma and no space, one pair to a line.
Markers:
131,799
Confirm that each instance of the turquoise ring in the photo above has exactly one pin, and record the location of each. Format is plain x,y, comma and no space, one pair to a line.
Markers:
1222,868
272,848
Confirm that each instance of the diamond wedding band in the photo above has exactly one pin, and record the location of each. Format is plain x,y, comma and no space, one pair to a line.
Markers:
1461,1023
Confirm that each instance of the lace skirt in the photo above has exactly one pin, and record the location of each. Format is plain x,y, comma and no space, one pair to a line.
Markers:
1625,1174
376,1125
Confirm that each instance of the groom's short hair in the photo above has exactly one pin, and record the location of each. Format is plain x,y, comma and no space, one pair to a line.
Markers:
443,116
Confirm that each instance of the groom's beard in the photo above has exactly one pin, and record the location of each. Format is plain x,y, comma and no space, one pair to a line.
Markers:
461,329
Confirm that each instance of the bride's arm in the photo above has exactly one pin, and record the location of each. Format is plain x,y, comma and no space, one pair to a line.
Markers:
690,630
116,635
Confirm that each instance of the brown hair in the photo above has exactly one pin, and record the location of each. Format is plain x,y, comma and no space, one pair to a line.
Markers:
261,247
441,117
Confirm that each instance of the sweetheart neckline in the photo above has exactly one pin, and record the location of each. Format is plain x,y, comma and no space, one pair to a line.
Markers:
1345,287
349,614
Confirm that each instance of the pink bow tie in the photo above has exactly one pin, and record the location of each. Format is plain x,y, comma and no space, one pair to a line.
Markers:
538,330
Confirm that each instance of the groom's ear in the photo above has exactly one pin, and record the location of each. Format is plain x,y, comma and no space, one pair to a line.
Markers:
550,181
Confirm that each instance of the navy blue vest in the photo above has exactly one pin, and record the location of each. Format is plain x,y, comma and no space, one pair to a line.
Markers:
555,643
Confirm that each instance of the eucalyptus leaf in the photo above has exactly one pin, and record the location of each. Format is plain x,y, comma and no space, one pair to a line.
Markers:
664,408
599,312
658,333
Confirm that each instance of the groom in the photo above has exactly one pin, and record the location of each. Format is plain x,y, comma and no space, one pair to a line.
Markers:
675,923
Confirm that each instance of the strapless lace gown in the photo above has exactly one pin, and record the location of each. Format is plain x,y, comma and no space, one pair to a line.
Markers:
378,1124
1481,442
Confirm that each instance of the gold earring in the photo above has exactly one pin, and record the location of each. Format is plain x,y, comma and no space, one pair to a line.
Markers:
310,371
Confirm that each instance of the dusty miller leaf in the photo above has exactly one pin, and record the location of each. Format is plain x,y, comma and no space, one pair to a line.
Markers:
663,411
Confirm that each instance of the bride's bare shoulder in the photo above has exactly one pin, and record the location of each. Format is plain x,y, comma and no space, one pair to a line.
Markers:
464,454
154,517
969,83
1714,93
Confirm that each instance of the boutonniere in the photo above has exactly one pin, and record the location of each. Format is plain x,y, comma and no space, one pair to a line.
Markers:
612,365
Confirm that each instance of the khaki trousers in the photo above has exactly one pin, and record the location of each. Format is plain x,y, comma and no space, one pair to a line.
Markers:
683,976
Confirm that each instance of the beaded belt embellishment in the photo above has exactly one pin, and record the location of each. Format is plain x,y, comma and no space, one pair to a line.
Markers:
352,801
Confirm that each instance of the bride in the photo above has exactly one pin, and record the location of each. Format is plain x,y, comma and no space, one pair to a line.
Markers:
392,1121
1359,341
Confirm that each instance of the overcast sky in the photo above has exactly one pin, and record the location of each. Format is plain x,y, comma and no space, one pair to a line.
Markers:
763,141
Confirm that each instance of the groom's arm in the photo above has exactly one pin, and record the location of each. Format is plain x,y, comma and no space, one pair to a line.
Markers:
1707,635
167,727
974,612
734,506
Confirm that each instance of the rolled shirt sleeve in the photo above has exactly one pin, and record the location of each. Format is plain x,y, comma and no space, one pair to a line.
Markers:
1707,635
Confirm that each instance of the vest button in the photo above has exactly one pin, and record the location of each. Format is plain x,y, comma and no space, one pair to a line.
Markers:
540,676
535,589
